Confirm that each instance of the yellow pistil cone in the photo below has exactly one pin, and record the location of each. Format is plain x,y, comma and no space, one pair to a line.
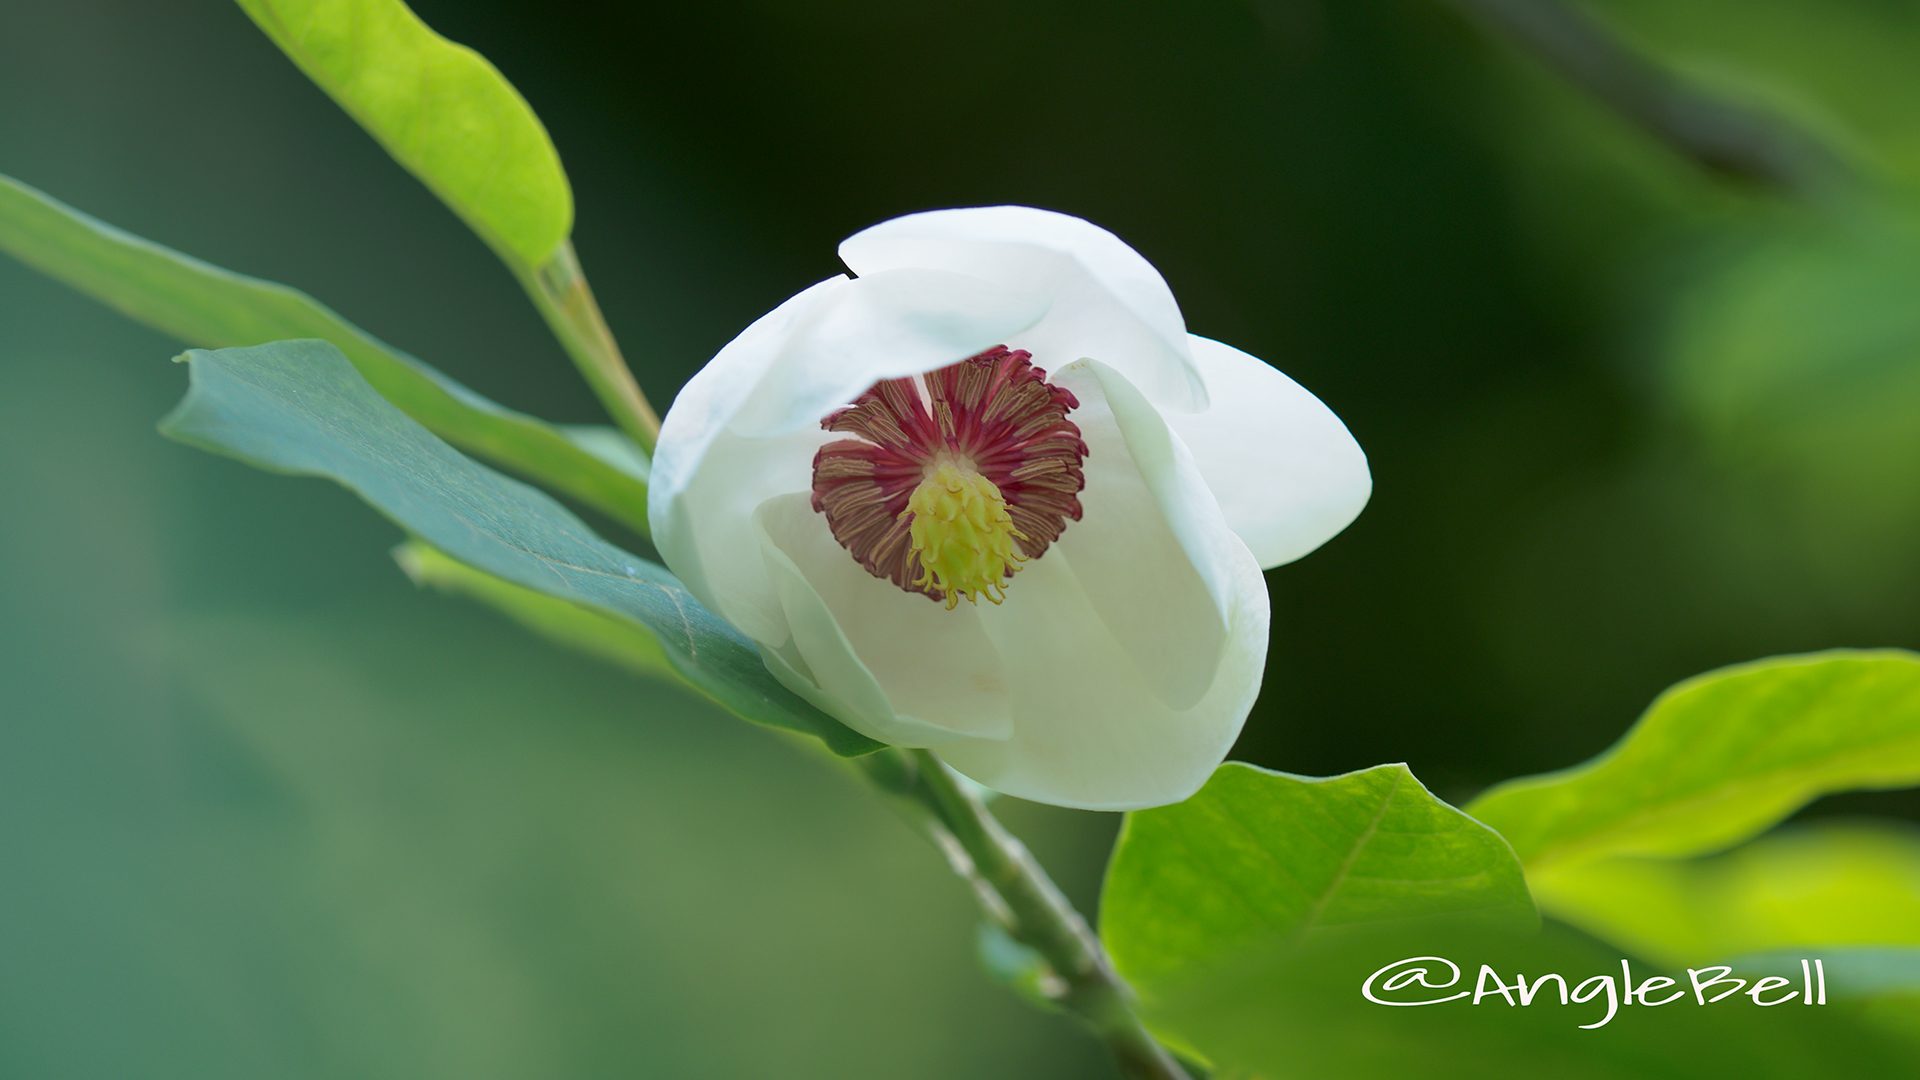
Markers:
961,530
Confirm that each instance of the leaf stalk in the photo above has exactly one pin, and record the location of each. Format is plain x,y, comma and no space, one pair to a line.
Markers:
559,290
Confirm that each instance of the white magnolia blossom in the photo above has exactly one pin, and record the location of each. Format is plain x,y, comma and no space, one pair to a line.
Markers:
1004,404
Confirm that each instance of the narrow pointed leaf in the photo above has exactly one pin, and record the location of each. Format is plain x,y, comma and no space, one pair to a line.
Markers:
440,109
205,306
454,121
1722,757
299,407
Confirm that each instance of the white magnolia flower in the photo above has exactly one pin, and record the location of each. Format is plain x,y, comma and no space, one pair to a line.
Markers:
1005,405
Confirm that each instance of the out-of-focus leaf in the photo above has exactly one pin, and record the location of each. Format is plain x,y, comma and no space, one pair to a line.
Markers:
586,629
440,109
1720,757
1258,860
1815,314
1302,1013
1792,339
206,306
299,407
1881,984
1803,889
1853,971
1793,359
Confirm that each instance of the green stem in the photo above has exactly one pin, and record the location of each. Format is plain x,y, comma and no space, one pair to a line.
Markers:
559,289
1016,892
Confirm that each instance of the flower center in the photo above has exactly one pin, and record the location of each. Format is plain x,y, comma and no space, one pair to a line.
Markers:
962,534
955,478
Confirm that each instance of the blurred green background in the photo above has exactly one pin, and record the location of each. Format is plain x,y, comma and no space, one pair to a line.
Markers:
266,810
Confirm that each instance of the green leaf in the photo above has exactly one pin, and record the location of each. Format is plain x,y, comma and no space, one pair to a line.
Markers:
1880,983
452,120
566,623
440,109
1258,860
1846,884
1251,917
203,305
1302,1014
1721,757
299,407
1853,971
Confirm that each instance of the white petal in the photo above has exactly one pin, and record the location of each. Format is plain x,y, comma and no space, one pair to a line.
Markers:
893,665
1152,592
1148,550
883,325
705,482
1087,732
745,427
1286,471
1107,302
1104,667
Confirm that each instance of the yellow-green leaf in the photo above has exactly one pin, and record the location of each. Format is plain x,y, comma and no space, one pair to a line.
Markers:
1254,917
1832,884
1302,1014
1258,860
440,109
1719,758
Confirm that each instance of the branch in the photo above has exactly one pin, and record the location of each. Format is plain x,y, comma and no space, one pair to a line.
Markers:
1016,893
1725,138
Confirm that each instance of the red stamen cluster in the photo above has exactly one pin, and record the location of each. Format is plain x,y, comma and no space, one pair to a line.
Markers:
994,412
